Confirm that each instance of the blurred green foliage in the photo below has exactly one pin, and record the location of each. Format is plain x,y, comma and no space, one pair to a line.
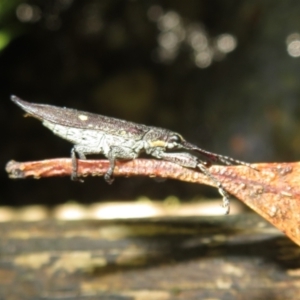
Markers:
10,27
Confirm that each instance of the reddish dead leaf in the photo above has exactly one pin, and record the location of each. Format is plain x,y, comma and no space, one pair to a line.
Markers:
272,191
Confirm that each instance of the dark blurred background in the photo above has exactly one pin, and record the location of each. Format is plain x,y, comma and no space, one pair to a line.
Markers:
225,74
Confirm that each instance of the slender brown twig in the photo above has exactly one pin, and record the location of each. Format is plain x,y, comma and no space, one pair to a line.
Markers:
272,190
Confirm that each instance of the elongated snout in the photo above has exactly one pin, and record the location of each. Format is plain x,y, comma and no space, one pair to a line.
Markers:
188,146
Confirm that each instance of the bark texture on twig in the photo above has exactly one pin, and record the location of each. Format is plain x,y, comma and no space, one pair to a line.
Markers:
272,190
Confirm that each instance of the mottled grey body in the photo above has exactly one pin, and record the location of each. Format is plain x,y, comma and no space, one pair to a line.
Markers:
94,141
118,139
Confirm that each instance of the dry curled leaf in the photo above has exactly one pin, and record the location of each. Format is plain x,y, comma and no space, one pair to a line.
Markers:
272,190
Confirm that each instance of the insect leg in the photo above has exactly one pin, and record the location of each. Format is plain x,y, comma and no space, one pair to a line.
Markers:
114,154
74,151
108,176
187,160
221,190
183,159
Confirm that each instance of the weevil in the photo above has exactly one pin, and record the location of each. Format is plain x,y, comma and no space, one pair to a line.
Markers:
122,140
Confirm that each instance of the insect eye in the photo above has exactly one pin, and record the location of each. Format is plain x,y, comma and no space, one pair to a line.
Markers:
175,139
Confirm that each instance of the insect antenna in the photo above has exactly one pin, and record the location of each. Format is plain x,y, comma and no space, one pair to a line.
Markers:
216,157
